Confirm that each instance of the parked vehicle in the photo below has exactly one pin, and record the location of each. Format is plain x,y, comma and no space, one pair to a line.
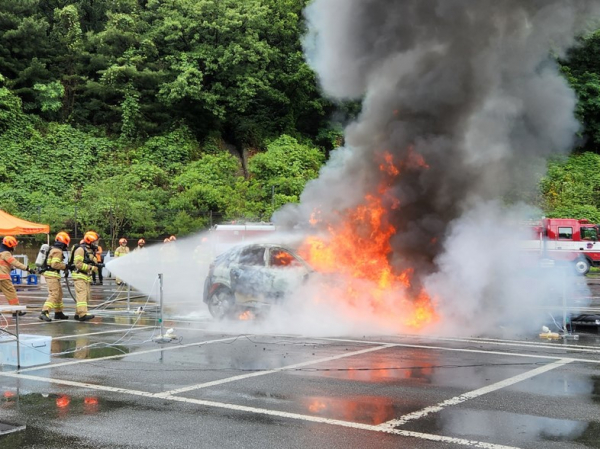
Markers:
566,240
252,277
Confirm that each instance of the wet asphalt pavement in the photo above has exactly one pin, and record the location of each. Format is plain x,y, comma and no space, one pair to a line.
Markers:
212,389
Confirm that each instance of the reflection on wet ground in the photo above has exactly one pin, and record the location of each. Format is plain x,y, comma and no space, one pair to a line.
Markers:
115,398
51,405
519,429
364,409
386,370
33,435
80,348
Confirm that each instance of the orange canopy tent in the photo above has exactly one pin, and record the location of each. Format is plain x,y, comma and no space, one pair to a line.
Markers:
10,225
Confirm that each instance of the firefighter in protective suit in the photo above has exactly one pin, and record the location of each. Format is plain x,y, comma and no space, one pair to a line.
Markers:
7,263
84,265
52,276
141,244
121,251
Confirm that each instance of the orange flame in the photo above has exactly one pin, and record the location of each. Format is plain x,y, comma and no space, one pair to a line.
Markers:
358,248
245,316
314,217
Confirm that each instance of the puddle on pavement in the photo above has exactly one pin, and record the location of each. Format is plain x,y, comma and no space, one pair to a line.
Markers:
383,371
33,407
497,425
32,435
69,349
419,369
53,406
363,409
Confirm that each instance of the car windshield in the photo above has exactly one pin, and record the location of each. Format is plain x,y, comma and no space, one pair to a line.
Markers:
589,234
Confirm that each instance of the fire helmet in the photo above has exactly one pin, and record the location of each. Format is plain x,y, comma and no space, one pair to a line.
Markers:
122,240
141,242
166,240
9,241
172,238
63,237
90,237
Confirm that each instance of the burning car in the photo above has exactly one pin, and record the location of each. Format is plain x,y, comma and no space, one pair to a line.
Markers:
252,278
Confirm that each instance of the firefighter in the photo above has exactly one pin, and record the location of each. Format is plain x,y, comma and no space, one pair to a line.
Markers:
7,263
121,251
84,265
203,255
141,244
99,260
52,275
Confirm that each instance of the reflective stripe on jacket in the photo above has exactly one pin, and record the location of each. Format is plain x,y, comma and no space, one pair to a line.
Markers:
121,251
7,263
55,263
82,269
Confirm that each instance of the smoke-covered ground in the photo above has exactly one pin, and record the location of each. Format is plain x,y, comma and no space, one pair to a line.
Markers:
462,102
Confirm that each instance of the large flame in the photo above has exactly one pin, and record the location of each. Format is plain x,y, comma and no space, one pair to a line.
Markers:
357,247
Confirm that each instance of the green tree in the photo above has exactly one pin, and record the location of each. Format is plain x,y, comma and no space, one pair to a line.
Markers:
208,185
24,47
571,188
278,176
582,69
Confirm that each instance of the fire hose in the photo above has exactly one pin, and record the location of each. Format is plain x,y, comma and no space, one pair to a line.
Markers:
71,268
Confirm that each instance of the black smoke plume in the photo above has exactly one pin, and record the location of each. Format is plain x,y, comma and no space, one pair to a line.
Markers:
470,86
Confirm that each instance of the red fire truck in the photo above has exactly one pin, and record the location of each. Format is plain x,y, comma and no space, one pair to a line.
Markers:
566,240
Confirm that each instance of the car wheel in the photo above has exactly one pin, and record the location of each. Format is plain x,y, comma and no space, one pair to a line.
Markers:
582,266
220,303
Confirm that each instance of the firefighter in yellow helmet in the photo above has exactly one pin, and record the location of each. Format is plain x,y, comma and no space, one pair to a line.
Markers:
52,275
84,263
7,263
121,251
141,244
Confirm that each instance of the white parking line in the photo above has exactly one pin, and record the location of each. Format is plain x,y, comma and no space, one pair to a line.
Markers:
271,371
488,341
474,394
262,411
475,351
524,344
